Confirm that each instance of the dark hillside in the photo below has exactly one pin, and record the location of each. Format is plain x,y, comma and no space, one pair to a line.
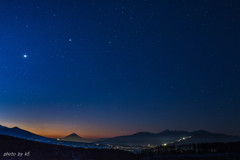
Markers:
43,151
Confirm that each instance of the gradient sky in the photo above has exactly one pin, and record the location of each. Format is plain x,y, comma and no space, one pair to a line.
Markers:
105,68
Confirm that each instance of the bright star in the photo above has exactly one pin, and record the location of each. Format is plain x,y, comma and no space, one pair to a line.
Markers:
25,56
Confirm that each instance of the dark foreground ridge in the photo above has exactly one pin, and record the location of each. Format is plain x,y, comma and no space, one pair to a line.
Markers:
43,151
15,148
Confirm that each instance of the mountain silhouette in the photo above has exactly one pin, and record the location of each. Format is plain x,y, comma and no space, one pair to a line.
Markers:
20,133
170,137
74,138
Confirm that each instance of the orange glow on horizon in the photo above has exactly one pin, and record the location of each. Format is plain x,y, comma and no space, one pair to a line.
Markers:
63,135
86,135
57,131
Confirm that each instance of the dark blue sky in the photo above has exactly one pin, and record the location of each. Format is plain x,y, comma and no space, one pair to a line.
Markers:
106,68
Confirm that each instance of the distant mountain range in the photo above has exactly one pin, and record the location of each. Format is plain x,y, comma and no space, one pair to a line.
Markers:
141,138
170,137
20,133
73,138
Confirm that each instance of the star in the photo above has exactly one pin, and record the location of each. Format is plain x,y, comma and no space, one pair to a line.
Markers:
25,56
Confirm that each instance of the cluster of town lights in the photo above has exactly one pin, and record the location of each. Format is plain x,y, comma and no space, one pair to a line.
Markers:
181,139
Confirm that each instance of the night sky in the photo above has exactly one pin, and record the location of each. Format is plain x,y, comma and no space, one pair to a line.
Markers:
104,68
